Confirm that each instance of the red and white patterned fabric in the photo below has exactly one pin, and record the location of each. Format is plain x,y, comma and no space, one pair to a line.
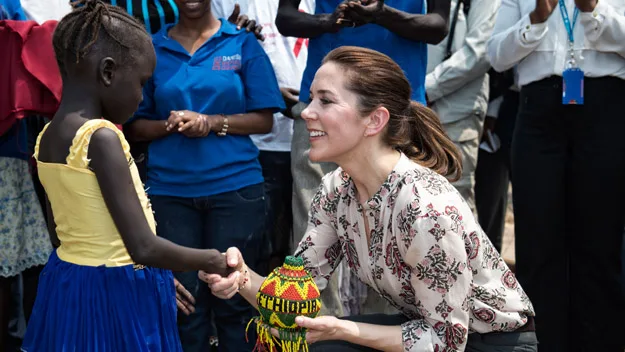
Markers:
426,254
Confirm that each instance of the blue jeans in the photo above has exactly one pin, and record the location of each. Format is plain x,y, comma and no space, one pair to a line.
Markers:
231,219
279,191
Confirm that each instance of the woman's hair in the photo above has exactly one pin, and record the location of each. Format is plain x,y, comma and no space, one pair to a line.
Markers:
92,21
413,129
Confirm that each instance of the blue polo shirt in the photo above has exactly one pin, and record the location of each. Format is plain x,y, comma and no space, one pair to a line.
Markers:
229,74
411,56
12,10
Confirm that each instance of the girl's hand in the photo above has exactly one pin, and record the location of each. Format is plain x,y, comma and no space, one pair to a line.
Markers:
184,299
319,329
226,287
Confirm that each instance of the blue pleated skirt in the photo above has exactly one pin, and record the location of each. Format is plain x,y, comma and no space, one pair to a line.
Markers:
103,309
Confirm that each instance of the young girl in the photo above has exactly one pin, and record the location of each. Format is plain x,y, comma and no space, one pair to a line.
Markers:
105,288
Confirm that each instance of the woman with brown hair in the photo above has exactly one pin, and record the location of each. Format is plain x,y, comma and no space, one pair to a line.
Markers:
392,214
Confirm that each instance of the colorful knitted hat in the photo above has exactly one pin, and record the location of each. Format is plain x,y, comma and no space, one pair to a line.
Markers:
288,292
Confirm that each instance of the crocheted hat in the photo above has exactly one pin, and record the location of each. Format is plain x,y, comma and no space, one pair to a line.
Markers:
288,292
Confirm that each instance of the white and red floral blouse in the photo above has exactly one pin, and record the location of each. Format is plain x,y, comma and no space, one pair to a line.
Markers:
426,255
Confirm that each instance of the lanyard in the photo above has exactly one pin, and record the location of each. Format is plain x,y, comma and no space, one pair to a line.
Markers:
567,22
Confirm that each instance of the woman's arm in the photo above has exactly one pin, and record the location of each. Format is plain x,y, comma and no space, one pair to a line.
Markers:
328,328
142,130
515,36
189,123
320,239
256,122
108,161
379,337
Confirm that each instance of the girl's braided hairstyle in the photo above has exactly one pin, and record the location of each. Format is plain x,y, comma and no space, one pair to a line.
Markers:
81,30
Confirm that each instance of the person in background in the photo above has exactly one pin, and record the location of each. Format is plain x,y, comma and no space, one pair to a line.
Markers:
24,240
493,173
213,86
288,57
452,288
456,85
398,28
568,165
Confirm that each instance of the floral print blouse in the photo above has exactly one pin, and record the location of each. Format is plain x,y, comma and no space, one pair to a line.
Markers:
426,255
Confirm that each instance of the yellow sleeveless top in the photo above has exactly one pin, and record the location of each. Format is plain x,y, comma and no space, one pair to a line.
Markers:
84,225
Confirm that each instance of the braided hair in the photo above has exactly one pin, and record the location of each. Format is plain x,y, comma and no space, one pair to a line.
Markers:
93,23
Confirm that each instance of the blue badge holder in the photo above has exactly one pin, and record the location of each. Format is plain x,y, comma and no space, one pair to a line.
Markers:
573,86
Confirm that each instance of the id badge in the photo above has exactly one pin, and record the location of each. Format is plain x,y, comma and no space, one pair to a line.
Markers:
573,86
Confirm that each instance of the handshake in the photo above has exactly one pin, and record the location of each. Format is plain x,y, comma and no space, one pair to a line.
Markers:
226,274
355,13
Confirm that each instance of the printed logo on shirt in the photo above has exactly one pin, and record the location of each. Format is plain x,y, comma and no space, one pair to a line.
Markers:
227,63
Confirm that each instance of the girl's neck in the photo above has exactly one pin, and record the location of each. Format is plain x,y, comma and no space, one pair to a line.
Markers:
195,27
369,170
79,99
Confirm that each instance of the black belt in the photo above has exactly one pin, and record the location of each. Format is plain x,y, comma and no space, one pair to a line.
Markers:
529,326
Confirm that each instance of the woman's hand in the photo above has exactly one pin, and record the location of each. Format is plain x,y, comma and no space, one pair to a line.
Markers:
226,287
319,329
184,299
189,123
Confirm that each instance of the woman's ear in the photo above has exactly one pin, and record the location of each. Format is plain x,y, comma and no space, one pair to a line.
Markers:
377,121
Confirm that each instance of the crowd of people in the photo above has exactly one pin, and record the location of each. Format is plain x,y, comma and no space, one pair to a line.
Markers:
158,158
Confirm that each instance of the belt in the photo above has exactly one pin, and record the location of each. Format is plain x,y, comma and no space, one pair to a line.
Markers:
529,326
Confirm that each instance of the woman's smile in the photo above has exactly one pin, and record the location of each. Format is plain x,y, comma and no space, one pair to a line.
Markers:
316,134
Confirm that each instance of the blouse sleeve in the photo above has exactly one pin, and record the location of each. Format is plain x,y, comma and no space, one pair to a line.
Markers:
440,277
321,248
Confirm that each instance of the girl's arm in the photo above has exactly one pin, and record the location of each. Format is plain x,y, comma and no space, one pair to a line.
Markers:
320,249
109,163
51,225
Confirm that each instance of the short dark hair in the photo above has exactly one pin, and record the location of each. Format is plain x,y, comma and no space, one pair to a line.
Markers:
93,23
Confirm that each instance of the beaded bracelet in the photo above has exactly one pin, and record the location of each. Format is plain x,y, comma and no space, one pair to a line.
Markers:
224,127
245,280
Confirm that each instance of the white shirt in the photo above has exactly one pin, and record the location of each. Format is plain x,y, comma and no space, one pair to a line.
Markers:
45,10
288,57
458,86
224,8
541,50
